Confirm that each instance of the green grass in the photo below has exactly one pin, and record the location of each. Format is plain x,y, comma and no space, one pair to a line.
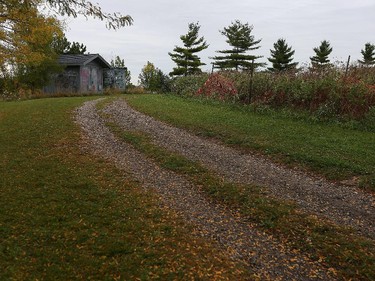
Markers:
66,215
333,151
337,247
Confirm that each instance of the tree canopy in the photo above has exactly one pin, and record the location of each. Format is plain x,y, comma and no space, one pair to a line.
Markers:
321,54
282,56
26,53
240,39
153,79
185,57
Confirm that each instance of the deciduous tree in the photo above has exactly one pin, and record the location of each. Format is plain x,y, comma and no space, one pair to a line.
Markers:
282,56
87,9
153,79
240,39
26,36
185,57
16,14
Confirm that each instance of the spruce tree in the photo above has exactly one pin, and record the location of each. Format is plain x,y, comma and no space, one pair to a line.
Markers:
240,39
368,55
185,57
282,56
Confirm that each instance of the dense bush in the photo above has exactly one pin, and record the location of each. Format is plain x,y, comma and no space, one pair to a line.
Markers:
325,93
219,87
188,85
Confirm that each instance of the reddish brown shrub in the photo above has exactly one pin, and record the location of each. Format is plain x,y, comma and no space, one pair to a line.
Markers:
218,86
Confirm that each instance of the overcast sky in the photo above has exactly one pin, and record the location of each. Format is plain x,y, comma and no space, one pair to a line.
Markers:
158,24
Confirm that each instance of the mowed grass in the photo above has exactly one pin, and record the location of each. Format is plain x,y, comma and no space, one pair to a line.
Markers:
65,215
327,149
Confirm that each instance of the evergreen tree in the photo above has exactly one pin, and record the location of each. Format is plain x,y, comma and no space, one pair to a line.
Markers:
62,46
240,39
368,55
185,57
321,54
77,48
282,56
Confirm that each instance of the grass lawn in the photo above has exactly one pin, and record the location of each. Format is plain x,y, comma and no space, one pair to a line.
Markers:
67,215
328,149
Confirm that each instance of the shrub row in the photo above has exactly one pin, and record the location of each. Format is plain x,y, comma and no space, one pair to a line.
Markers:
325,93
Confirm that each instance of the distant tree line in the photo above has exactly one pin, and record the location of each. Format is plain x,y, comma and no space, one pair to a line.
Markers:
239,57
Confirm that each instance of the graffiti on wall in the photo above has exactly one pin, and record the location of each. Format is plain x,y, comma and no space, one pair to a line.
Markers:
67,82
91,79
115,78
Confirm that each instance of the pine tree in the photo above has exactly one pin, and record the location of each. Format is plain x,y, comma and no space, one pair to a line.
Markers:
185,57
61,45
77,48
282,56
240,39
368,55
321,54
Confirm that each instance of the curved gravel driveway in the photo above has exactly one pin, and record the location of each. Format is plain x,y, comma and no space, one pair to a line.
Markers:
266,257
343,205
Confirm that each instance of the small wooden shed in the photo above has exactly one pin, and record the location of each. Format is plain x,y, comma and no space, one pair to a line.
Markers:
82,73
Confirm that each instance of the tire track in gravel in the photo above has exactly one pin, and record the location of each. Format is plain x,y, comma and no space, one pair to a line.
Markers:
343,205
267,257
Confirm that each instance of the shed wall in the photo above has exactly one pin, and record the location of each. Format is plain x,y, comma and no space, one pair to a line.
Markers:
66,82
91,78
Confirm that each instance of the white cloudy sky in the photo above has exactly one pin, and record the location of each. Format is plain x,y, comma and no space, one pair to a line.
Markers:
158,24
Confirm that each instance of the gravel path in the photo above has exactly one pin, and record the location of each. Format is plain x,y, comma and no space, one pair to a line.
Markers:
343,205
267,257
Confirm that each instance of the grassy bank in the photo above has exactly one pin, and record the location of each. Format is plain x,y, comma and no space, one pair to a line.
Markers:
66,215
328,149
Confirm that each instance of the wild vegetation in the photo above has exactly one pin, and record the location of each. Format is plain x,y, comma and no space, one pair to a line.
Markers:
326,94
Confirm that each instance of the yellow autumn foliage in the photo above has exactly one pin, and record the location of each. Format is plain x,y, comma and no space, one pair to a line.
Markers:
25,34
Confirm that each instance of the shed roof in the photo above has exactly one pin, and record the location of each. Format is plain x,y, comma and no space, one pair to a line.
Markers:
83,59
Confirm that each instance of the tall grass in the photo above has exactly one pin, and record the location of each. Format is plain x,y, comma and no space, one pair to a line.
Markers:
325,93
